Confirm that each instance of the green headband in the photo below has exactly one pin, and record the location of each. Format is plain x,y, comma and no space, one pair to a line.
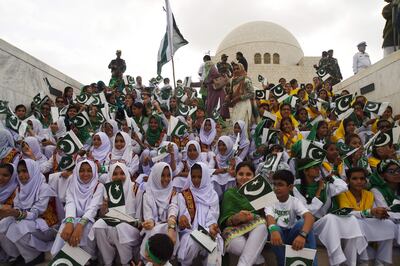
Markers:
309,165
152,256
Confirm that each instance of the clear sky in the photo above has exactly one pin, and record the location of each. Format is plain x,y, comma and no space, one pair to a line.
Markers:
79,38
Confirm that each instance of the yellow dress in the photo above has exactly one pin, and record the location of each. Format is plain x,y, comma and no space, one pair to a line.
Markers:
347,200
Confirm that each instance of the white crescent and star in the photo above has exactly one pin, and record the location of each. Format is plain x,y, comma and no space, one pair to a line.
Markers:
372,107
254,192
298,263
340,105
177,130
112,199
387,140
62,261
71,144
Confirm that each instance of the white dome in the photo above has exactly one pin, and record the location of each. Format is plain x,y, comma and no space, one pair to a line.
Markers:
262,37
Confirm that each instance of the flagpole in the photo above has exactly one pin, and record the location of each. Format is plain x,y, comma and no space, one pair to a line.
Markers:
173,70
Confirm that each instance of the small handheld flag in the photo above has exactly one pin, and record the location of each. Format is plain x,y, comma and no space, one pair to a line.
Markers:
115,194
258,192
323,73
303,257
312,151
70,256
70,143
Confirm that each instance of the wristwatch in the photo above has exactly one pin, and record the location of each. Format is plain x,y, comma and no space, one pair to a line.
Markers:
303,234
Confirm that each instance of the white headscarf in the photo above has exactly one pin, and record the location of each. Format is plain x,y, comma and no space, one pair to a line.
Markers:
82,193
6,142
114,125
101,152
205,195
208,137
126,152
8,189
35,147
127,185
189,161
223,160
177,156
37,126
28,193
244,141
154,189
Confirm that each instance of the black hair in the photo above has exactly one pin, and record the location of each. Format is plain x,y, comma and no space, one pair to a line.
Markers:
239,53
66,89
302,177
329,143
284,175
20,106
246,164
196,166
161,246
206,58
9,167
356,169
21,163
380,121
293,81
284,104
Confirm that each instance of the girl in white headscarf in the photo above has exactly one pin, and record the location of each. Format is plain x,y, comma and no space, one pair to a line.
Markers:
225,164
198,206
123,237
192,155
84,199
122,151
8,152
208,131
29,222
240,128
101,147
31,150
159,204
110,127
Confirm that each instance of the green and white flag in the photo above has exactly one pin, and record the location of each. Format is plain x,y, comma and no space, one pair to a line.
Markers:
343,104
70,143
16,125
268,135
375,107
272,161
258,192
81,120
303,257
216,114
161,152
66,162
70,256
4,109
115,194
262,94
55,114
312,151
82,99
177,128
342,211
171,42
323,73
39,99
279,93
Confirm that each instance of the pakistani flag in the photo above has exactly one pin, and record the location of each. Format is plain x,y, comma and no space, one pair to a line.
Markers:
128,80
312,151
180,91
115,194
342,211
258,192
345,150
4,109
70,256
270,116
292,100
16,125
312,102
303,257
187,82
343,104
171,42
268,135
272,161
323,73
375,107
179,130
261,78
161,152
279,93
395,207
262,94
82,99
66,162
216,114
183,109
81,120
70,143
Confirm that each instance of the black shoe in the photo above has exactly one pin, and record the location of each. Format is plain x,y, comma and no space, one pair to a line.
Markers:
16,261
37,260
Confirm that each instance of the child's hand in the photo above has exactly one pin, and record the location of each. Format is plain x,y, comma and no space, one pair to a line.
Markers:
67,231
276,239
184,223
213,230
76,236
298,243
380,213
148,225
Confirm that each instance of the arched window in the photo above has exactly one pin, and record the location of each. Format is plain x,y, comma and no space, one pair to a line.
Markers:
257,58
267,58
275,58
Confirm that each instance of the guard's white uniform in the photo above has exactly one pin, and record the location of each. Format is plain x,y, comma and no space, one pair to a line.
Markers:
360,61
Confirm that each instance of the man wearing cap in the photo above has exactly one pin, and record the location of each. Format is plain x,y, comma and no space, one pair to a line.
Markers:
361,59
117,66
224,68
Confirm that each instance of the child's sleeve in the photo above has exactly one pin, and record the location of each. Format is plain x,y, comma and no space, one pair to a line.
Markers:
299,208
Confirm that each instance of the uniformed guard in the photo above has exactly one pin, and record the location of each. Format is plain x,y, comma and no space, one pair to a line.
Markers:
361,58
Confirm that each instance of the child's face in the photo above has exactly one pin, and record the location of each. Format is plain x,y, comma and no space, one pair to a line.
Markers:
332,152
153,124
222,147
236,129
23,174
108,129
282,190
357,181
85,173
119,142
243,175
196,177
165,177
200,114
312,172
72,112
5,176
192,152
96,141
207,126
118,174
20,112
287,126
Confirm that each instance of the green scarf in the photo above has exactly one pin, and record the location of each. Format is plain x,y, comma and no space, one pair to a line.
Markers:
232,203
362,162
153,136
310,191
376,181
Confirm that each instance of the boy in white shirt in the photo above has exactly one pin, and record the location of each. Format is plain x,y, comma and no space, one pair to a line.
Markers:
282,220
